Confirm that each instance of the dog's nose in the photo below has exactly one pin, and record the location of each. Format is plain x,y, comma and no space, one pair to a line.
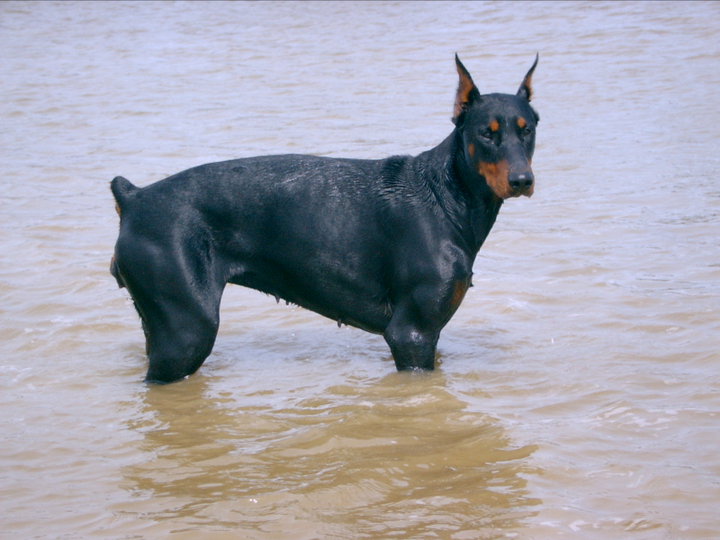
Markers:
521,181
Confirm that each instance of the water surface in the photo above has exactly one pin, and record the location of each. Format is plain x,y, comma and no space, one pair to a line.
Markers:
578,391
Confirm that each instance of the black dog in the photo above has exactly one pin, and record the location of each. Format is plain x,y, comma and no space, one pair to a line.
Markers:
384,245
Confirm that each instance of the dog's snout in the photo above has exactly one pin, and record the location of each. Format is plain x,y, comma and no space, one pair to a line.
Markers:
521,181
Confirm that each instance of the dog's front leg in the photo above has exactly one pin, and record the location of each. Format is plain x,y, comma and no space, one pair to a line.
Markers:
412,349
411,339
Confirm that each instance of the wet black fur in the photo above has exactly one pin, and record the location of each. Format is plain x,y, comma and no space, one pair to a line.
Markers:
384,245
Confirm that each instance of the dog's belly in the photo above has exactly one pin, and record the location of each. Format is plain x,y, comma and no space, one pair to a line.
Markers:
355,302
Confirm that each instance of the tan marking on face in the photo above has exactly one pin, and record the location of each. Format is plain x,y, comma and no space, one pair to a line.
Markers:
471,150
494,126
496,176
521,122
118,210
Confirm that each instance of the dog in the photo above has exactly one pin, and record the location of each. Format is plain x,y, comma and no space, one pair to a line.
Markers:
383,245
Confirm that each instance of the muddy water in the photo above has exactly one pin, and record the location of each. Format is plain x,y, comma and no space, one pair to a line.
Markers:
578,391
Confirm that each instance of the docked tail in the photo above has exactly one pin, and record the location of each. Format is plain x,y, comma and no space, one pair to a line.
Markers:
122,190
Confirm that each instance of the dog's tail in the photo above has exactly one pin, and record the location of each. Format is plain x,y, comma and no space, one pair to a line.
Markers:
122,190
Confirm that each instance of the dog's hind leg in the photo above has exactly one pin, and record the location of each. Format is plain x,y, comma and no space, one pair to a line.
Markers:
178,341
179,302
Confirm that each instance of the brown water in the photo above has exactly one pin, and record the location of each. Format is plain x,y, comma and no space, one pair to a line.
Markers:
579,390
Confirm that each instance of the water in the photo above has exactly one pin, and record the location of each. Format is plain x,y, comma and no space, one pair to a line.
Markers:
578,394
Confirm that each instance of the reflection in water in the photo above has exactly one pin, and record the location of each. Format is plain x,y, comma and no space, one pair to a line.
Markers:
392,459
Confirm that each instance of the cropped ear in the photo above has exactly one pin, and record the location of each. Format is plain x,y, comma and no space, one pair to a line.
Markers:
467,92
525,90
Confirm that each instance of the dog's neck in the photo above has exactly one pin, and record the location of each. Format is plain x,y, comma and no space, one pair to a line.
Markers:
462,194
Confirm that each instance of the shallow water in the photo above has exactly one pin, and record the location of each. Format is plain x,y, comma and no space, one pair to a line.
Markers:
578,391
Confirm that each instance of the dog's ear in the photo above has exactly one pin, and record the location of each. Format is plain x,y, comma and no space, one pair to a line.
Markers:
525,90
467,92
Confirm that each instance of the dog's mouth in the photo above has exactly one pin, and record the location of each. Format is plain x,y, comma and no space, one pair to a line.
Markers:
522,192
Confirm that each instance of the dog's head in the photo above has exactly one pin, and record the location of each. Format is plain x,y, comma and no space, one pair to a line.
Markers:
498,134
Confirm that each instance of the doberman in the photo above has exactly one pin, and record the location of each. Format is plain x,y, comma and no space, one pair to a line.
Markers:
383,245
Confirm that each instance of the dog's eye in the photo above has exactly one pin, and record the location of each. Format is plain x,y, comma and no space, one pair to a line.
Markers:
526,132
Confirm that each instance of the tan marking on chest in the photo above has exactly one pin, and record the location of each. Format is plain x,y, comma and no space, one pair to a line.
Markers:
459,289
